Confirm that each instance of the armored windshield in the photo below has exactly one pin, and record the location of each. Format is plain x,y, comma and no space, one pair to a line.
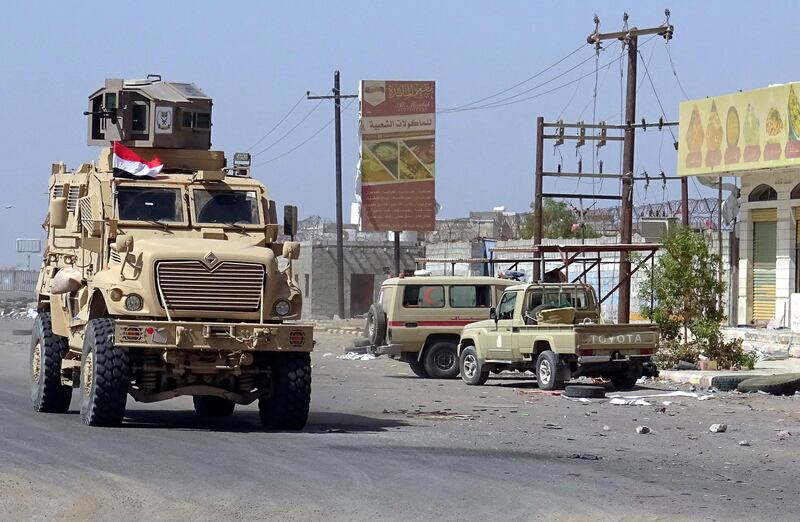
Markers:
226,206
150,204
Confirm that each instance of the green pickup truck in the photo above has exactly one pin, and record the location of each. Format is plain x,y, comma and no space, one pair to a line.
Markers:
555,330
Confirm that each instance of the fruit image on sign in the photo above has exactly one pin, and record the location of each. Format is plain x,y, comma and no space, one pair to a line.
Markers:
732,153
793,122
774,127
694,140
713,138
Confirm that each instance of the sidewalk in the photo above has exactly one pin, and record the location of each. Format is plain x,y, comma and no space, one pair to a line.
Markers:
727,380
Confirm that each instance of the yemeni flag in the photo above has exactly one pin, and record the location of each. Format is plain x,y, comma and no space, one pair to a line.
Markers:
128,161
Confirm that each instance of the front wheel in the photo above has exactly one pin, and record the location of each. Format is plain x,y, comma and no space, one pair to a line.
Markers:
47,350
548,369
441,360
287,408
105,375
472,371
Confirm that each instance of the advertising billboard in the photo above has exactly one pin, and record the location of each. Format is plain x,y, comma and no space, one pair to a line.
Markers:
741,131
398,155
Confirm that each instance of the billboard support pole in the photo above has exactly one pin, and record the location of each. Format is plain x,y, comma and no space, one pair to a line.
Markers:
685,201
337,107
396,253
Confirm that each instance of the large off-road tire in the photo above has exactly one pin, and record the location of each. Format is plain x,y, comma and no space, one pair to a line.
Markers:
47,350
375,330
548,371
105,375
470,367
212,406
418,368
585,391
441,360
287,408
780,384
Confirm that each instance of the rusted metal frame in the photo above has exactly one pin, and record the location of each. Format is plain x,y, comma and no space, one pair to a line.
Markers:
590,137
586,270
630,274
601,126
580,196
581,175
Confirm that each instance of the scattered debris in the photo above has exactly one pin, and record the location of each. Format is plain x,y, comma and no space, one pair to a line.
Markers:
633,402
327,354
606,427
354,356
718,428
744,443
698,396
642,430
550,426
784,434
582,456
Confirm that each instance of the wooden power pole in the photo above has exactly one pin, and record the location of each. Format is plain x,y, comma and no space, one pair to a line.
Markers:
630,37
337,107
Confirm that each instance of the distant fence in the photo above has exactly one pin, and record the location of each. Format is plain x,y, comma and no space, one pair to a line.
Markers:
18,280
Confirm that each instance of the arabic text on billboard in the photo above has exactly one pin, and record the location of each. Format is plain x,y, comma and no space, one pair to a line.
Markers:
740,131
397,167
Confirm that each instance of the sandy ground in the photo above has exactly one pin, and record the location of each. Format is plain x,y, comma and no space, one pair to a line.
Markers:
383,444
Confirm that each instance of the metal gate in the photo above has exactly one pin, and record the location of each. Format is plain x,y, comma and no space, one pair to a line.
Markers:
764,253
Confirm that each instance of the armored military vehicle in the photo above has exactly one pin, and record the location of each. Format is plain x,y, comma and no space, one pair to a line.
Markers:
171,285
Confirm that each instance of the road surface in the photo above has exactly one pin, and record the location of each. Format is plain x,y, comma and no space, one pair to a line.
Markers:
383,444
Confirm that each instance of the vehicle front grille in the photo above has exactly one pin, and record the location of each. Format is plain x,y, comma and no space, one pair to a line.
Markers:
228,287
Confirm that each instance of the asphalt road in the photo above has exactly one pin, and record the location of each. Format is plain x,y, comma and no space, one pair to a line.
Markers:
382,444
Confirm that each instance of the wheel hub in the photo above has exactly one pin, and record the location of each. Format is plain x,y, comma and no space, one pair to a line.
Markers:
87,375
470,366
444,359
545,372
36,363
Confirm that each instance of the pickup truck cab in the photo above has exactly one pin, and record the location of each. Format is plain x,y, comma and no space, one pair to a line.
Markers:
556,331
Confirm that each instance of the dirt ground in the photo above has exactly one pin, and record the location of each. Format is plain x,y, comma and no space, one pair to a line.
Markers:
383,444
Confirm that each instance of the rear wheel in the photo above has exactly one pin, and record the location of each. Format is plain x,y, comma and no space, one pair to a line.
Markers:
287,408
418,368
548,370
47,350
105,375
626,379
212,406
472,372
441,361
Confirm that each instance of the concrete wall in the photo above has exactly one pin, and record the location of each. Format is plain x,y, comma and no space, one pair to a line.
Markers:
783,181
318,263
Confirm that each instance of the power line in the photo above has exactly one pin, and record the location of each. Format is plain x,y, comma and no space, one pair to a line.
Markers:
674,72
314,135
519,83
653,85
308,114
262,138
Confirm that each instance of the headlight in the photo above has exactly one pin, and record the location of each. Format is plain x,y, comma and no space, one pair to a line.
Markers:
133,303
282,307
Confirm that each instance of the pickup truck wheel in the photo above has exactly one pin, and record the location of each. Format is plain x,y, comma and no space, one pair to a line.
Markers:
624,382
212,406
48,394
471,371
418,368
287,409
548,369
441,361
105,375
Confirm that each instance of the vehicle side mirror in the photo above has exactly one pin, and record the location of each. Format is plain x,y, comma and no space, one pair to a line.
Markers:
123,243
493,313
289,220
291,250
58,213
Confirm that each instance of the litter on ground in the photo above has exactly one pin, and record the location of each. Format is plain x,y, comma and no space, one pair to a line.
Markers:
355,356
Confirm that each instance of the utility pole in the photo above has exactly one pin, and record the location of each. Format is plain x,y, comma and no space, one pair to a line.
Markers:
537,197
337,107
685,201
629,37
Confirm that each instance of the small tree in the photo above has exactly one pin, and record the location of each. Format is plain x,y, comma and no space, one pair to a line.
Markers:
558,221
684,288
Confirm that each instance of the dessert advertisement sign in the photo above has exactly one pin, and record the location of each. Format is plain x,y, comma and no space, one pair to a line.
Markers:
740,131
397,158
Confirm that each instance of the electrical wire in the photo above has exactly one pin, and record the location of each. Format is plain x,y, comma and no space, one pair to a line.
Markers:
520,83
265,136
311,137
675,72
653,85
287,133
574,93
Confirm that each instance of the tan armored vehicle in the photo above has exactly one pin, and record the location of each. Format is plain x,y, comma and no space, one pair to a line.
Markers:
555,330
169,285
418,320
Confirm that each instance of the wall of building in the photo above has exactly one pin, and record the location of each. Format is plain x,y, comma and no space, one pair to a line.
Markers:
783,181
318,263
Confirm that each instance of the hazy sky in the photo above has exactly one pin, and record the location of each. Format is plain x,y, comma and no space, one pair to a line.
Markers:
256,59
